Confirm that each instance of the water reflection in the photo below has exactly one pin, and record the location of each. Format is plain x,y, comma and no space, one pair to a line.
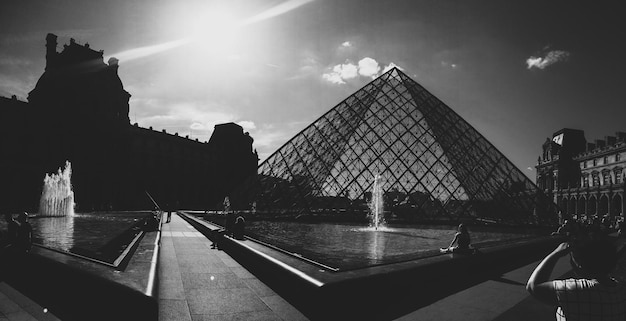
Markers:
351,246
54,232
376,245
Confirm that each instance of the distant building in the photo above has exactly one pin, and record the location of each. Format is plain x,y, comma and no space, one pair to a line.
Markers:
584,178
78,111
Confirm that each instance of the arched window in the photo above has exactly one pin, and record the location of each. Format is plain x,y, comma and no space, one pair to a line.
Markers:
586,180
618,175
596,178
606,177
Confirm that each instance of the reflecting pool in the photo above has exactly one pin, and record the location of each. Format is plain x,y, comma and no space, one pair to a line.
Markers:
95,235
349,246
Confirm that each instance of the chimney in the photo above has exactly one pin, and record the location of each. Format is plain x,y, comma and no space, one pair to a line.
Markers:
114,64
591,146
600,143
610,140
51,50
621,136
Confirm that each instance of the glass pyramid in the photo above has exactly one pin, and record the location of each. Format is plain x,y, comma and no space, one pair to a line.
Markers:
433,164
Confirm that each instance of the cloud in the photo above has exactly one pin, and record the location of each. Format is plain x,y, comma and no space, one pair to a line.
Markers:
247,125
449,64
368,67
269,137
194,117
550,58
390,66
342,72
346,44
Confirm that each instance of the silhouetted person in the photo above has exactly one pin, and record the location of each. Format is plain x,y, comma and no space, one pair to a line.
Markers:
152,222
239,228
593,295
12,227
169,214
24,241
568,228
462,240
229,224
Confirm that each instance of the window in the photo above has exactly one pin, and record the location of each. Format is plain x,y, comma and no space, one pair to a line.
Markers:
618,157
606,159
595,162
618,176
606,178
584,164
586,181
596,179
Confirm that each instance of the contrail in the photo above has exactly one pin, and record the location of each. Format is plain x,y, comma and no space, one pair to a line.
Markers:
150,50
275,11
154,49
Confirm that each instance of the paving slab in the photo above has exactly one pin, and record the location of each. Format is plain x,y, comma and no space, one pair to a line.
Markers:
14,306
200,283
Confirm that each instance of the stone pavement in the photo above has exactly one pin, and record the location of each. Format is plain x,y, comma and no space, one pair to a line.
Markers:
15,306
504,298
200,283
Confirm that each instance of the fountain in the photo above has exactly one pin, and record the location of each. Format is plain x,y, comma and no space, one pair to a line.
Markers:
57,197
377,219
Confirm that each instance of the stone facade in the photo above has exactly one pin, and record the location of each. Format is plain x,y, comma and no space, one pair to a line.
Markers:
585,179
78,111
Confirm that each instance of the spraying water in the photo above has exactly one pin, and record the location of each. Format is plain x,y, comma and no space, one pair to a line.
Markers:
377,219
57,197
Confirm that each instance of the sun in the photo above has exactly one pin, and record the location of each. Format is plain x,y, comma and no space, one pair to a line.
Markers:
213,29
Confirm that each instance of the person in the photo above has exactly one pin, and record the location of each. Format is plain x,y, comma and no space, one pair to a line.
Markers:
593,295
152,222
229,223
24,239
568,228
462,240
169,215
12,227
239,228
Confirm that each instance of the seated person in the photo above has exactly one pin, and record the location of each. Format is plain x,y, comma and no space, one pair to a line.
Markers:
239,228
462,240
152,222
593,294
567,229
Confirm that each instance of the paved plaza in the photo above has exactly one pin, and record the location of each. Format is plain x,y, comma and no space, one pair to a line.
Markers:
200,283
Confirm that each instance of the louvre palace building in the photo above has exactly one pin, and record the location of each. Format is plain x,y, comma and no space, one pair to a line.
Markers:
584,178
79,112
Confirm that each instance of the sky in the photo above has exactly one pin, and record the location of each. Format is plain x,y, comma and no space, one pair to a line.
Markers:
517,71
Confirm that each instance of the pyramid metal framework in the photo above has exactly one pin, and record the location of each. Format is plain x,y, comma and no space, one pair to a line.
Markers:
433,164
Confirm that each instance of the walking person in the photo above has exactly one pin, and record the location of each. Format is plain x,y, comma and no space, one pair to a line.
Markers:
24,240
